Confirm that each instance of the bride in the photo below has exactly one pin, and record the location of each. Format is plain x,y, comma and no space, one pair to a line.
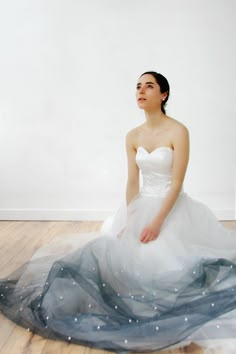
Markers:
158,132
161,272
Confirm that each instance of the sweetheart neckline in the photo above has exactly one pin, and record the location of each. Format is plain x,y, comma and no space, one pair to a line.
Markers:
159,147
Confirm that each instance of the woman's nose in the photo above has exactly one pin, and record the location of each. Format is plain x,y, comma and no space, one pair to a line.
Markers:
141,89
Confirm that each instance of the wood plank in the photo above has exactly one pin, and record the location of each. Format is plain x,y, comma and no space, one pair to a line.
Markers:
33,236
194,349
69,348
229,224
23,248
6,328
58,347
35,345
17,341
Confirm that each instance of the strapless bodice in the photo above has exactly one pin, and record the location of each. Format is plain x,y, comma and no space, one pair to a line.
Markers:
156,169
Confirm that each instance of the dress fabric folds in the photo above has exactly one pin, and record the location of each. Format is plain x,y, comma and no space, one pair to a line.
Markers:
107,289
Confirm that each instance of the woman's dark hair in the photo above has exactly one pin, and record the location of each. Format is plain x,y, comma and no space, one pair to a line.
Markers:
164,86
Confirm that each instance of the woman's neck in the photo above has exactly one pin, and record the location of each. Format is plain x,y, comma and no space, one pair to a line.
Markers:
154,119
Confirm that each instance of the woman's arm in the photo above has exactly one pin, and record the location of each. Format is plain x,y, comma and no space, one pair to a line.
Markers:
180,163
132,187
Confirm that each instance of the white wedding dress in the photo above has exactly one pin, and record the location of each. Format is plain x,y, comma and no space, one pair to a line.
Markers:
109,290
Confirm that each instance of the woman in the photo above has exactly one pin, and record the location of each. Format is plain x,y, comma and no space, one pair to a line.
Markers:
160,130
160,274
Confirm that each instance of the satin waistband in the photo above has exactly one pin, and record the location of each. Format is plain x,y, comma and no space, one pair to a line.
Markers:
157,192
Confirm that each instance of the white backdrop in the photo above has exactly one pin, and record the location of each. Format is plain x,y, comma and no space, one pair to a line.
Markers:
68,72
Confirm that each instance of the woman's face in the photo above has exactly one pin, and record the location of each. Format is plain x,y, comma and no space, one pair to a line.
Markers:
148,94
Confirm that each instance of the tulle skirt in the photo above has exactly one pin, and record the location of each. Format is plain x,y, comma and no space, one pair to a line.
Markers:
108,290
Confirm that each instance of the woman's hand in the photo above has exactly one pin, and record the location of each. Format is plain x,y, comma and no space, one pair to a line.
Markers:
120,234
150,232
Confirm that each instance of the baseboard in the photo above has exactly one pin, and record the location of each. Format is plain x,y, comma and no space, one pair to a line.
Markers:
56,214
82,214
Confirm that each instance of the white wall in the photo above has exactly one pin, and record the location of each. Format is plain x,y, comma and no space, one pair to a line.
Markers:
68,72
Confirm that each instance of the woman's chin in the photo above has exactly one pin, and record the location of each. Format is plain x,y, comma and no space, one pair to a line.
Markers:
141,105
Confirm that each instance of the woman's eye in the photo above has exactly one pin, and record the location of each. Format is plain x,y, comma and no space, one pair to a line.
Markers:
138,87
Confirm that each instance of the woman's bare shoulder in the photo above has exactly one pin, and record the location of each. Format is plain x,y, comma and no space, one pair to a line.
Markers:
134,132
179,133
176,125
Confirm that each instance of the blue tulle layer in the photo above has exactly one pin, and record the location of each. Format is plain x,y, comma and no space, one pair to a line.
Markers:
82,299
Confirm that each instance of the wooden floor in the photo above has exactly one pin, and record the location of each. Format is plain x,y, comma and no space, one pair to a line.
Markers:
18,241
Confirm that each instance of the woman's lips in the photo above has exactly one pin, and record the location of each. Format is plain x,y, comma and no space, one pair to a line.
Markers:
141,99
